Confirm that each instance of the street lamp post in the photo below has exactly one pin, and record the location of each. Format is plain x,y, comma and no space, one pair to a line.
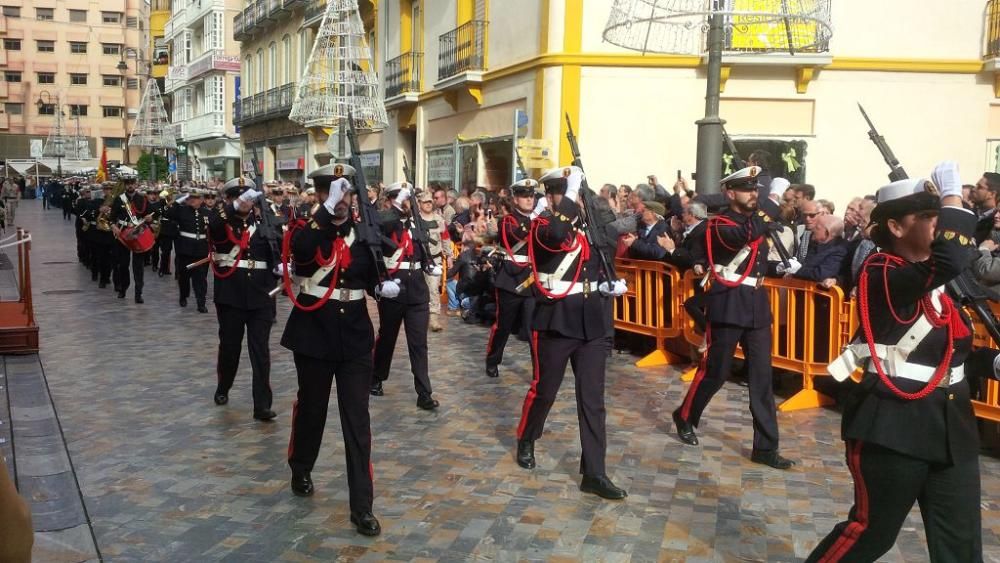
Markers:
122,68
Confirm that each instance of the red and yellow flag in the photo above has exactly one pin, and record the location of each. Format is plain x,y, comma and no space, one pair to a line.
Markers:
102,170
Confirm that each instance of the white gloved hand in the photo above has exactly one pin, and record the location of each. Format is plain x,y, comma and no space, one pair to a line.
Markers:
540,207
620,288
793,266
338,188
279,269
403,195
606,289
388,288
249,196
436,270
778,187
573,183
945,176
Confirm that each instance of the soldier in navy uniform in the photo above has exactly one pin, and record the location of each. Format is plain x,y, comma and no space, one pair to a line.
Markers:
169,232
100,239
738,311
79,208
909,426
192,246
123,255
410,307
242,264
331,336
514,296
572,324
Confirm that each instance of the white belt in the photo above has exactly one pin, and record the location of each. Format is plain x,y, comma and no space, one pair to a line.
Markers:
922,373
562,287
404,265
343,294
195,236
245,264
732,277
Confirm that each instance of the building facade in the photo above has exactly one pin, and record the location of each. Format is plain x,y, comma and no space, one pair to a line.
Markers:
84,58
201,82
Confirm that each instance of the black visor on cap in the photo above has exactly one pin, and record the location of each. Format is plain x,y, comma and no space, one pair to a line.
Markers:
524,191
555,186
901,207
744,185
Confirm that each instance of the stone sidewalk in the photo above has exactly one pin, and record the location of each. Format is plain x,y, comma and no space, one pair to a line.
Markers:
168,476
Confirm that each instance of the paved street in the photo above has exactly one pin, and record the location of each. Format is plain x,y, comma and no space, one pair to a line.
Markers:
168,476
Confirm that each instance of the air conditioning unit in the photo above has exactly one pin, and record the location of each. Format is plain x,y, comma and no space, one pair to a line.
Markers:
132,112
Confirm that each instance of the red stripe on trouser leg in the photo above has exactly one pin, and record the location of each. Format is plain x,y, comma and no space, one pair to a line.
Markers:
533,391
496,322
859,523
698,376
291,439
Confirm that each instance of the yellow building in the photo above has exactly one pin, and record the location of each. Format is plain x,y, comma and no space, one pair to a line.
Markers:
159,49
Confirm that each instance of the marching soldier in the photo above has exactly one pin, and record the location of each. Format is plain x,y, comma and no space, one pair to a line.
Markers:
100,239
192,246
80,205
514,296
909,427
410,307
242,264
738,311
169,232
121,218
331,336
572,324
155,210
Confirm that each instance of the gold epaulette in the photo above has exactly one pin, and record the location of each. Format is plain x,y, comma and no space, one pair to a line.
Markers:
962,239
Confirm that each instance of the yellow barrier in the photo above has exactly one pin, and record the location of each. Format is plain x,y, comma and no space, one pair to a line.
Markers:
650,307
989,407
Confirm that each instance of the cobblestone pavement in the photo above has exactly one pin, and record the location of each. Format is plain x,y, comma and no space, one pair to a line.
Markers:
167,475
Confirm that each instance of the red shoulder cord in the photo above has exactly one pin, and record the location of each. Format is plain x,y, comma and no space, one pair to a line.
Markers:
754,247
513,223
340,258
135,210
579,240
950,319
242,243
406,243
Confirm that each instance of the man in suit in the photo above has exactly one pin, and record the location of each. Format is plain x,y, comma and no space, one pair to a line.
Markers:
809,210
642,244
823,263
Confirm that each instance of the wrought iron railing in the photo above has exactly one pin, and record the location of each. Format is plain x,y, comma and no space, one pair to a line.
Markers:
314,12
462,49
274,103
238,26
993,29
403,74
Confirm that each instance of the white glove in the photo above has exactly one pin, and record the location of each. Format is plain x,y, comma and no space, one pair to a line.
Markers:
403,195
388,288
540,207
573,183
436,270
279,269
945,177
793,266
249,196
606,289
778,187
338,188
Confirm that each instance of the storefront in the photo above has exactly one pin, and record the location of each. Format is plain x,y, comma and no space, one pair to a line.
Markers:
290,160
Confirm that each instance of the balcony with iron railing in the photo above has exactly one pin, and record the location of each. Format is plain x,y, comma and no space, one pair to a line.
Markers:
992,30
238,34
462,50
403,79
205,126
314,13
272,104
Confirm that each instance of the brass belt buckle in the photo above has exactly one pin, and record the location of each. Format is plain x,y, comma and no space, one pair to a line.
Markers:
344,295
760,282
251,264
586,288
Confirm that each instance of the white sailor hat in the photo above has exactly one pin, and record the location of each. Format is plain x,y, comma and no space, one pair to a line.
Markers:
335,170
744,179
310,191
241,182
554,180
779,185
903,197
394,188
525,187
196,192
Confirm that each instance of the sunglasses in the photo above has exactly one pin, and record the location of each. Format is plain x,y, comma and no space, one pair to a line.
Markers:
811,215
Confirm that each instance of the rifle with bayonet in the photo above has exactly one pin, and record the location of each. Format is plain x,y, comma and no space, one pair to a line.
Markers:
369,227
420,230
596,237
964,288
269,227
739,164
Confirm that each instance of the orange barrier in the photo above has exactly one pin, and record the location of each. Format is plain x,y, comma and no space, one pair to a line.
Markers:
18,331
989,407
650,307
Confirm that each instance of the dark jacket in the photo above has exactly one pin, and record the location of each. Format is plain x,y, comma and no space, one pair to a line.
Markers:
338,330
690,250
192,226
645,246
512,273
245,288
413,286
824,261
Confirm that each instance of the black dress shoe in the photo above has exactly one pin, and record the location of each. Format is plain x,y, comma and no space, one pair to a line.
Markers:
366,524
184,302
427,402
138,298
602,487
202,308
121,294
265,415
377,389
771,458
492,371
685,431
302,484
526,454
221,398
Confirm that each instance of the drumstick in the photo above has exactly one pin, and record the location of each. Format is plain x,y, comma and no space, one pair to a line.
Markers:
201,262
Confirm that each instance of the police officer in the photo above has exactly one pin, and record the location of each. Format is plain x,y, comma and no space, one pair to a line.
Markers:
514,279
909,427
572,324
242,264
331,336
192,246
406,263
738,311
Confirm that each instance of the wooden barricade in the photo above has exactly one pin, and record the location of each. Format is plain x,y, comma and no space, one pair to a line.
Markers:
18,331
651,307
